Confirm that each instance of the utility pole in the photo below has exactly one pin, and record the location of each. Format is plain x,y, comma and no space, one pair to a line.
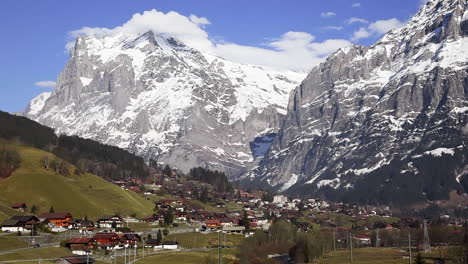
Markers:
334,243
351,248
377,239
427,243
409,246
194,239
219,247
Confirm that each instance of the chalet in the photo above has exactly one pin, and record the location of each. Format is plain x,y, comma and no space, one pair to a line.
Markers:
19,223
60,219
220,205
129,238
106,239
76,260
168,245
362,239
81,225
110,221
253,223
181,216
152,243
226,222
81,246
22,207
213,224
233,229
153,218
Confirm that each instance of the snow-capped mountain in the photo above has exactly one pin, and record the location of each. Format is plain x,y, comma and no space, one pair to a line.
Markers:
156,97
381,121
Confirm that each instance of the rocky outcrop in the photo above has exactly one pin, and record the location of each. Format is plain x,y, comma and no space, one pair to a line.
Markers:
378,110
158,98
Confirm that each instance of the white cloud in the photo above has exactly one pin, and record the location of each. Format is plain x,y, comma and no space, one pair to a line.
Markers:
383,26
362,33
199,20
377,28
328,14
46,84
334,28
292,50
356,20
355,5
188,30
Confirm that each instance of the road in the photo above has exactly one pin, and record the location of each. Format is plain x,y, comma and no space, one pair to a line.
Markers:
21,249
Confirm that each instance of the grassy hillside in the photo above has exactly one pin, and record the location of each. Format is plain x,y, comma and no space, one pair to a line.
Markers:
198,240
50,254
80,195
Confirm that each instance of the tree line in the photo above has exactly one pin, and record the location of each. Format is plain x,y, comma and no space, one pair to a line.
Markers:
217,179
10,160
86,154
284,238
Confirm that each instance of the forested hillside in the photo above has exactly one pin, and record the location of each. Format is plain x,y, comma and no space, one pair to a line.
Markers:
88,155
42,187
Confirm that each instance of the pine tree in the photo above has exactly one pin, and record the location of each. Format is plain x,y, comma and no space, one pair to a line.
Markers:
159,235
167,170
51,210
419,259
245,221
168,217
33,209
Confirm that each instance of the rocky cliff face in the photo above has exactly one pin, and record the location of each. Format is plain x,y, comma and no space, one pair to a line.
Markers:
161,99
383,114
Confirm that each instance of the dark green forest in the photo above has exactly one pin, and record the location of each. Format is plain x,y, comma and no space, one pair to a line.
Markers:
215,178
88,155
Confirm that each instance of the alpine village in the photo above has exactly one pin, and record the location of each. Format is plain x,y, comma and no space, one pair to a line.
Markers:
152,149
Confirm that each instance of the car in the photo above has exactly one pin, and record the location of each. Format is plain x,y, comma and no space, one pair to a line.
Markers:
37,245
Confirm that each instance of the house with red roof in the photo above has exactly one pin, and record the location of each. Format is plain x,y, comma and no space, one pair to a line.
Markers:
105,240
81,245
22,207
60,219
213,223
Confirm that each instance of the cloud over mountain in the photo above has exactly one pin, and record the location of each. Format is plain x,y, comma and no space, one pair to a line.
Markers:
292,50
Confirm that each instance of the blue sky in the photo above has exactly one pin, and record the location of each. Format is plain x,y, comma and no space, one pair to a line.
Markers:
34,33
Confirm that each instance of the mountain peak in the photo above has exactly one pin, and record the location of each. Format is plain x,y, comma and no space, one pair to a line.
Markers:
373,114
154,95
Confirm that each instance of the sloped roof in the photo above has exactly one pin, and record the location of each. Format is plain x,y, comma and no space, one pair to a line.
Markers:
24,218
18,205
80,240
11,222
59,215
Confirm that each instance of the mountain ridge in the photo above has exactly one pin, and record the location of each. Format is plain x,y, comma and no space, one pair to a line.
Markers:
375,110
160,99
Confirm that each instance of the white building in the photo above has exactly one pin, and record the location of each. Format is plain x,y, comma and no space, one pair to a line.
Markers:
280,199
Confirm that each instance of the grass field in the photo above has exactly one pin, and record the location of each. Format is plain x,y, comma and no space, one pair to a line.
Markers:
80,195
11,242
211,256
36,253
367,256
188,240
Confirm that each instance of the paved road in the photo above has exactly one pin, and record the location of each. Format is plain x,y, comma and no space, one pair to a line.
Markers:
21,249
